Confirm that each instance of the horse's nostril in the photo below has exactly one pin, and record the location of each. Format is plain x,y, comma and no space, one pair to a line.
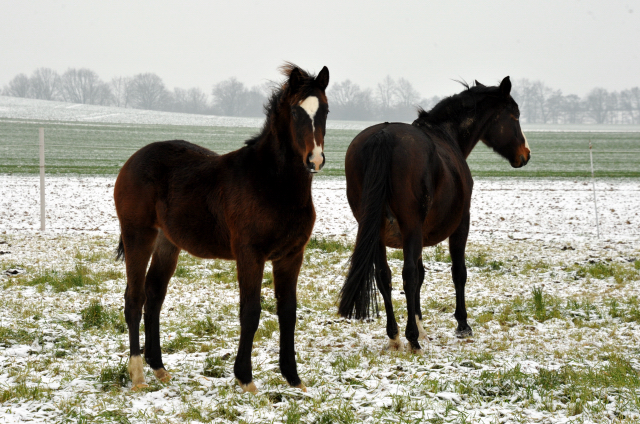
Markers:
523,161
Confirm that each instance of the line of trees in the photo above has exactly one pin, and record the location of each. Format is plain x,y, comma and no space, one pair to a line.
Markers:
390,100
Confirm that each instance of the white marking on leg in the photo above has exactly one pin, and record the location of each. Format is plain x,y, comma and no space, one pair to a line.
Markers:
136,372
162,375
396,343
311,105
421,333
251,387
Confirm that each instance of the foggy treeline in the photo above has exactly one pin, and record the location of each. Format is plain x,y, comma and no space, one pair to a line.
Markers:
390,100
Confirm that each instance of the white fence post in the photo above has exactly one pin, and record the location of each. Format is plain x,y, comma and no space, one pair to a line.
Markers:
42,208
593,181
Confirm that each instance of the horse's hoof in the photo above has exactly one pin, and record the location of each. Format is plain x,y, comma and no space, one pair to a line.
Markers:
139,386
251,387
301,386
418,352
395,344
162,375
467,332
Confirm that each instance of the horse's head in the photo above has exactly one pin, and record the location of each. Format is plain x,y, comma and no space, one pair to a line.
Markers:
503,133
308,108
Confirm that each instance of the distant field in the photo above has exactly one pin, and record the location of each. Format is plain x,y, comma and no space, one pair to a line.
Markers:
102,148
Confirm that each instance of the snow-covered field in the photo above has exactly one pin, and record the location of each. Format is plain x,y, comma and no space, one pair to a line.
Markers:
570,357
555,311
32,109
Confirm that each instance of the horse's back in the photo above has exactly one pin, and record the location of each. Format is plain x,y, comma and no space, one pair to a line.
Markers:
430,180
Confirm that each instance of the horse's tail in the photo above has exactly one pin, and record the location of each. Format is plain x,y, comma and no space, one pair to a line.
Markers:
358,297
120,250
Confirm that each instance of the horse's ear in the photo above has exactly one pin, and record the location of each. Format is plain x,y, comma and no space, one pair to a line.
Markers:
505,86
323,78
295,81
479,84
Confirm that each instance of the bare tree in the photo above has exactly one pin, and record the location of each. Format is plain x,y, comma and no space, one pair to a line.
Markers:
572,107
19,86
349,101
84,86
386,93
599,105
121,88
45,84
148,92
230,97
405,93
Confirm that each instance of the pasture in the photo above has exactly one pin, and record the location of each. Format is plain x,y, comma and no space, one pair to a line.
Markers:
555,312
101,148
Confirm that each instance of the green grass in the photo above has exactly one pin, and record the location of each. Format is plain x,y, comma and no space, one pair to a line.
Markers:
114,376
101,149
97,316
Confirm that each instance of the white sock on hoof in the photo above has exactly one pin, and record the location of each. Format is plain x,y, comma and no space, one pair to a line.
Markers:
162,375
422,334
251,387
136,372
395,344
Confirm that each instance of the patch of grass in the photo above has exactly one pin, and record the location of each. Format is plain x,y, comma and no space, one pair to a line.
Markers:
182,272
225,412
179,343
266,329
396,254
21,391
539,266
115,416
205,327
9,336
342,363
478,260
114,376
268,304
328,245
267,279
438,255
602,270
97,316
342,414
214,366
81,276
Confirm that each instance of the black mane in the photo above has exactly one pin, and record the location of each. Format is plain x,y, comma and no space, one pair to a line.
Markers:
274,102
457,104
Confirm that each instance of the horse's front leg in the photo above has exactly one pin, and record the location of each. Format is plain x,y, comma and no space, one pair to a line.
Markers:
250,269
285,281
457,245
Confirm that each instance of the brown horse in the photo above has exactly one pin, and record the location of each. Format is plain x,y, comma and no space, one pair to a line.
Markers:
409,186
251,205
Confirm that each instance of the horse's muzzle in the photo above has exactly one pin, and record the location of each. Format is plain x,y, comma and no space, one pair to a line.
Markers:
314,163
522,161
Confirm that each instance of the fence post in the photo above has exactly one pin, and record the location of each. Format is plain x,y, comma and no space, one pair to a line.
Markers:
42,208
593,182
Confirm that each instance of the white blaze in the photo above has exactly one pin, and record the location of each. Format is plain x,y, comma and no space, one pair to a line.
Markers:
311,105
526,143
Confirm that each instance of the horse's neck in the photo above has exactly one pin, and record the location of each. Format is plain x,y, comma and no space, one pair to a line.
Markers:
467,131
276,155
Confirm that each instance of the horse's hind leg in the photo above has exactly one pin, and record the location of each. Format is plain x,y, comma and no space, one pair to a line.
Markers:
457,245
163,265
421,333
383,281
412,249
285,280
138,245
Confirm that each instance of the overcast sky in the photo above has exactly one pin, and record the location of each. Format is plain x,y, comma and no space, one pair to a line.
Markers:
570,45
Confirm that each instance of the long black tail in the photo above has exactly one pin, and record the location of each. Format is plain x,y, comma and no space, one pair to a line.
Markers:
358,297
120,250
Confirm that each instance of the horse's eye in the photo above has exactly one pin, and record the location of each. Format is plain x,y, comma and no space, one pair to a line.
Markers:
294,113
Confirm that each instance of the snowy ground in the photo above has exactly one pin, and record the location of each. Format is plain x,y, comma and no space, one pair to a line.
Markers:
571,357
518,208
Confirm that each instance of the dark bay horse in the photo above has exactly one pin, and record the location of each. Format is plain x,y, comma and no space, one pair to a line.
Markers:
409,186
251,205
